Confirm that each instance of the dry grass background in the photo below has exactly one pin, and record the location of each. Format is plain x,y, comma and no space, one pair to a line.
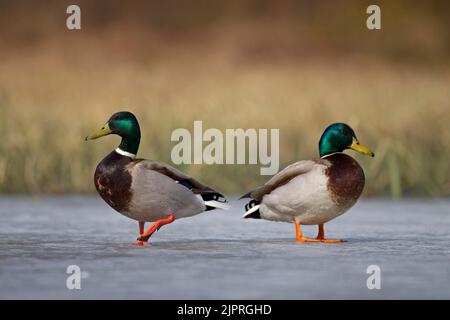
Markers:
56,87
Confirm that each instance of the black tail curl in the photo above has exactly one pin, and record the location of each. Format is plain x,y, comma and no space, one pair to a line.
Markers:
254,215
213,196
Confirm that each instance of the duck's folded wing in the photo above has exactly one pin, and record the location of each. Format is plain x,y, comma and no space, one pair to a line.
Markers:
176,175
281,178
208,194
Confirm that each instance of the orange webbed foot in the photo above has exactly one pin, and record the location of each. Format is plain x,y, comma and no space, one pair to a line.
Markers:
139,243
321,236
331,240
302,239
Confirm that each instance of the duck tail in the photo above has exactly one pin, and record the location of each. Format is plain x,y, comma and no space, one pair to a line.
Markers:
247,195
252,210
214,200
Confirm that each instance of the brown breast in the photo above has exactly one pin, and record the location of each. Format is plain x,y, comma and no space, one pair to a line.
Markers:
345,179
113,181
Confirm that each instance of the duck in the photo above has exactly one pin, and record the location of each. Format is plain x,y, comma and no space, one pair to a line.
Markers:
313,192
147,190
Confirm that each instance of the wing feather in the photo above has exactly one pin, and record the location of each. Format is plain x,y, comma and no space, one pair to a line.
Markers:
281,178
181,185
178,176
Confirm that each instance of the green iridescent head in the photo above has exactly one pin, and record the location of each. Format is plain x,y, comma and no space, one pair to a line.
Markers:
338,137
124,124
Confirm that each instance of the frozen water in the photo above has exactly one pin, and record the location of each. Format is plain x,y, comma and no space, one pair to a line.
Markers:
218,255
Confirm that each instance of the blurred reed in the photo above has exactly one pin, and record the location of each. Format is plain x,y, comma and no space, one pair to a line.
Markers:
49,103
293,65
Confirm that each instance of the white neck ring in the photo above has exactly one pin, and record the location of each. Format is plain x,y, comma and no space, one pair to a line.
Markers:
125,153
330,154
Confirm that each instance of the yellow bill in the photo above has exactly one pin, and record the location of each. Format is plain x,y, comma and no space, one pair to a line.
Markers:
361,148
104,131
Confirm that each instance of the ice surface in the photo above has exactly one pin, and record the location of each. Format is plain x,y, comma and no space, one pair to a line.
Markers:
218,255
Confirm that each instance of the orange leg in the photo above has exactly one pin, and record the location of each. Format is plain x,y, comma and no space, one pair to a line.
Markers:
141,232
141,228
321,236
299,235
144,236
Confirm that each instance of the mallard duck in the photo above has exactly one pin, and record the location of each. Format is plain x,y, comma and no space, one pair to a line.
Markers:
147,190
313,192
